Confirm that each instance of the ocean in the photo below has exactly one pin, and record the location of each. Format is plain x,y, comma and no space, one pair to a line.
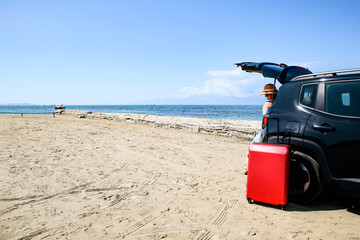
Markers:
234,112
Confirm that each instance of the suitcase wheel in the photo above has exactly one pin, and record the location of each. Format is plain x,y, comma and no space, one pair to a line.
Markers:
283,207
250,201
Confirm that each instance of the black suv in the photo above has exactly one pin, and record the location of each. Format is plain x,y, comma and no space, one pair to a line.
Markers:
318,115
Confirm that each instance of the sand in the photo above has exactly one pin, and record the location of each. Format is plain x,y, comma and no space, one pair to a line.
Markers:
69,178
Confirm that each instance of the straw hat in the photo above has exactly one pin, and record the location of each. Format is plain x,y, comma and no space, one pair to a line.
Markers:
268,89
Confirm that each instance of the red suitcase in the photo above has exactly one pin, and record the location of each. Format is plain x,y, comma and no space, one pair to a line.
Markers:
268,174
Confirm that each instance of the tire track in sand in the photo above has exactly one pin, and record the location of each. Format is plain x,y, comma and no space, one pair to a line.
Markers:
149,218
219,219
72,190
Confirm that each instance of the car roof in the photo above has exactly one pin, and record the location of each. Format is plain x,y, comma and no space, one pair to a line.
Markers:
332,75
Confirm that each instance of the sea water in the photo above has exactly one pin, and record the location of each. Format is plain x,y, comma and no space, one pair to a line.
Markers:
234,112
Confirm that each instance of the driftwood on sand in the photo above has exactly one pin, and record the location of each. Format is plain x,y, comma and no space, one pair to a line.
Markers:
246,129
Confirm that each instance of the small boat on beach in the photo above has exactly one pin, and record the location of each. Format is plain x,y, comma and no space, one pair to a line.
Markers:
59,107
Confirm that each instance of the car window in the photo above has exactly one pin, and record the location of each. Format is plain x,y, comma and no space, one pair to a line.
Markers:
343,98
308,95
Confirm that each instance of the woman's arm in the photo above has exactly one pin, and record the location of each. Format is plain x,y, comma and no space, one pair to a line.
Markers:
266,107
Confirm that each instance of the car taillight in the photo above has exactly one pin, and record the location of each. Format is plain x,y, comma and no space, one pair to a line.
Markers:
264,122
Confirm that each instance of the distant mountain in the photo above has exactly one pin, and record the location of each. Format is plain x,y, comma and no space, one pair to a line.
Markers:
207,100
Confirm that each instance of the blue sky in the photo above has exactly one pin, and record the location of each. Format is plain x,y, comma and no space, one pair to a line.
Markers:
164,51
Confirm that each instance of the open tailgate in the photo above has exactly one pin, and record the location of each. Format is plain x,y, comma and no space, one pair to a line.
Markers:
280,72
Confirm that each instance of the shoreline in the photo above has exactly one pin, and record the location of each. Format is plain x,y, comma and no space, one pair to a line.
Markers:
246,129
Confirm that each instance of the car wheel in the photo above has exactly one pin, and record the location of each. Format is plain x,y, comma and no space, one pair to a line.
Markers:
305,181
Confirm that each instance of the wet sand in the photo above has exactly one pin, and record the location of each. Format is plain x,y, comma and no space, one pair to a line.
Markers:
77,178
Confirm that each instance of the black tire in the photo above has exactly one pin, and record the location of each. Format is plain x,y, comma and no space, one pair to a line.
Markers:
305,181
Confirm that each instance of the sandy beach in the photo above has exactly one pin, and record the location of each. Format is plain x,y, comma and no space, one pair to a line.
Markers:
67,177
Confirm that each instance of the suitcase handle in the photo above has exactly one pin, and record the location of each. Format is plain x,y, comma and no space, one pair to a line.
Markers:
267,127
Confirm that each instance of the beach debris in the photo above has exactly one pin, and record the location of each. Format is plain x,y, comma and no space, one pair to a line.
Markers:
245,129
58,112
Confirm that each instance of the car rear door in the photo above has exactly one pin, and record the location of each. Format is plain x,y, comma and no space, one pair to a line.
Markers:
335,126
